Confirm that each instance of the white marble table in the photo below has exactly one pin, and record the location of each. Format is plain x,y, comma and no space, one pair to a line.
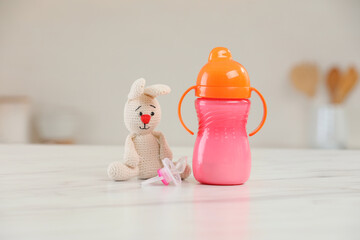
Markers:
62,192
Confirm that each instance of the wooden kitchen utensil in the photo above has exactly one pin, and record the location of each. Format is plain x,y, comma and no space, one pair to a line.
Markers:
346,84
332,82
305,78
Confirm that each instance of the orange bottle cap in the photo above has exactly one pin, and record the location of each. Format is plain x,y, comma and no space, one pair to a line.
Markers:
222,77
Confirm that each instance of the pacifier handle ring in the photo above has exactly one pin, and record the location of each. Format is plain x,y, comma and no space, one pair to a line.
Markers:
179,109
264,112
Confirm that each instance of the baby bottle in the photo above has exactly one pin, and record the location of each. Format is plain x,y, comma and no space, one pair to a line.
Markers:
221,153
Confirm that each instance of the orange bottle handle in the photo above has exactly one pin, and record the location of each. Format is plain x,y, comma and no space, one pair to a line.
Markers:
264,113
179,109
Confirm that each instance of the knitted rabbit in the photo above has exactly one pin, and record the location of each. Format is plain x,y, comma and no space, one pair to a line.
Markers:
144,147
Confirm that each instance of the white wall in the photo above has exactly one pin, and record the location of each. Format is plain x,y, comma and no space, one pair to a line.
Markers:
85,54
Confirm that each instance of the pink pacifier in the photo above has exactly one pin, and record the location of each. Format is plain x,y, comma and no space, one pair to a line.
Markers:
169,173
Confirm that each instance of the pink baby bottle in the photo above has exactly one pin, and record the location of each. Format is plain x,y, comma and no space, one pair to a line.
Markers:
221,153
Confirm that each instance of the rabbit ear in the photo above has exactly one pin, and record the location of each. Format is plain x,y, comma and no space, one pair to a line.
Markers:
137,88
157,90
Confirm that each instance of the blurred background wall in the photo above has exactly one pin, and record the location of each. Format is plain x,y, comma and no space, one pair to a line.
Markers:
84,55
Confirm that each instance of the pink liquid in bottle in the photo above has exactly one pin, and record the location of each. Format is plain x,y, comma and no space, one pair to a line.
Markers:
221,152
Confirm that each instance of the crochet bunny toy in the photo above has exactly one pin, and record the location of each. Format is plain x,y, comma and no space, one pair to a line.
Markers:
144,147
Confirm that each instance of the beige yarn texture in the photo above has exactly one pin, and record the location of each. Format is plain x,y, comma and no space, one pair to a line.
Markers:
144,147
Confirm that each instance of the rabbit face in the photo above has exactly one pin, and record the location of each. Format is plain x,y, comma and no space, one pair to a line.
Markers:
142,114
142,111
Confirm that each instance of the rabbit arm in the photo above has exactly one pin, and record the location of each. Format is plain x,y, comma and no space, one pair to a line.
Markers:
165,151
131,157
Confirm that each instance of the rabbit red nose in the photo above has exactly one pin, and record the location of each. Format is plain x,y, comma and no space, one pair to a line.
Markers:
145,118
